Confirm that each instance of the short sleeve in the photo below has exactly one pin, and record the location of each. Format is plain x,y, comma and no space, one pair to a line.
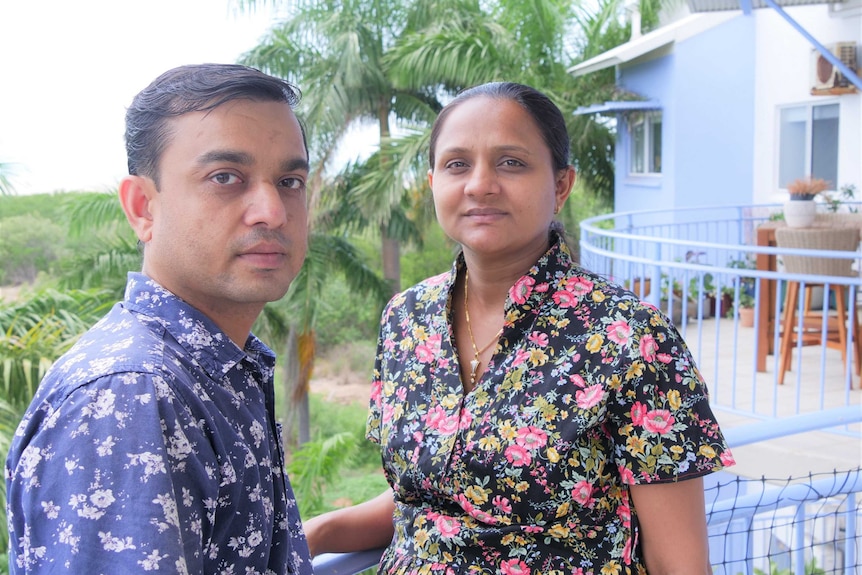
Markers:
662,426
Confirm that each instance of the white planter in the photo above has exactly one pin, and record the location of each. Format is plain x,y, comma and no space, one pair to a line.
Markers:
799,213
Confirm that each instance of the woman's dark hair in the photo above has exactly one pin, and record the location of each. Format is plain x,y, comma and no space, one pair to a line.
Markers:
544,112
196,88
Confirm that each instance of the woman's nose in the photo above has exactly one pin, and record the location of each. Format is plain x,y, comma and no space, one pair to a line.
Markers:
482,180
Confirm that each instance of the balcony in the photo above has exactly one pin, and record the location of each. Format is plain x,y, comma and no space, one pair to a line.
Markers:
791,502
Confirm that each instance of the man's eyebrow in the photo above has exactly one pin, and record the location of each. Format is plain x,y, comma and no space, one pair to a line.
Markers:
230,156
295,164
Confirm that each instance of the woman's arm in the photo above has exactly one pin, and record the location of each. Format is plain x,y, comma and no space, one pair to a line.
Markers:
357,528
672,523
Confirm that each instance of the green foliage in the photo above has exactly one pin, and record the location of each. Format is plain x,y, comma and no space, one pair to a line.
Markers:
29,244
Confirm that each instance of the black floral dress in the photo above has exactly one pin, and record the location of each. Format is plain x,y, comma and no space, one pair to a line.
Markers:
589,391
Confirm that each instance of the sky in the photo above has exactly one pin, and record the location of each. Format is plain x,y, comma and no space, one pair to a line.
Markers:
69,68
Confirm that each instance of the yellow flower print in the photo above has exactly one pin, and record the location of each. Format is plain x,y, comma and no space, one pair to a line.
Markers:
563,509
706,451
450,401
508,539
598,296
561,324
489,443
538,357
419,333
476,494
611,568
635,445
421,537
674,399
553,455
406,344
507,430
522,487
615,382
595,342
636,369
559,531
677,450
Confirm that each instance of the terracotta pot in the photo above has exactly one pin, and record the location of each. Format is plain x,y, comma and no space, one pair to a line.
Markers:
746,317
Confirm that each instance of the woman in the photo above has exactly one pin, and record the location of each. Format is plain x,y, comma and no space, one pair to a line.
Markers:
533,417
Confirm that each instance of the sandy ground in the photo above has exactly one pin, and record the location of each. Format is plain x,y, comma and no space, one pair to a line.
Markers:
342,388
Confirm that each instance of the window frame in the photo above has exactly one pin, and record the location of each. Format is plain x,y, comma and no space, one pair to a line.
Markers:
646,120
808,109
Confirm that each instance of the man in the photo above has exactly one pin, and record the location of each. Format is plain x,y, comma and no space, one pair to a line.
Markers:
152,445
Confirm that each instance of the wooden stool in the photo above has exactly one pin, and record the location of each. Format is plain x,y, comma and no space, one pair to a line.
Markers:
841,239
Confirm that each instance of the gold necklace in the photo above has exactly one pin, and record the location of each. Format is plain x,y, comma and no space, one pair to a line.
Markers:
474,363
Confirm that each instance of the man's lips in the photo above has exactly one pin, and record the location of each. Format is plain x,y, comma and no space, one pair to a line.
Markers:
265,255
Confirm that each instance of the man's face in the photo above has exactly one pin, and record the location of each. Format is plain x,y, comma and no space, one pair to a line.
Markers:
229,220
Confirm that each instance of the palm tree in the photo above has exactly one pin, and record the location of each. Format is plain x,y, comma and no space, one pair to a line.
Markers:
7,172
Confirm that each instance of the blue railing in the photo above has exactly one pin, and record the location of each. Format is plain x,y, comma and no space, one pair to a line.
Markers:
700,266
754,525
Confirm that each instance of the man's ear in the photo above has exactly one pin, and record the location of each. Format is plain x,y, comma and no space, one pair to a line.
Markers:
138,195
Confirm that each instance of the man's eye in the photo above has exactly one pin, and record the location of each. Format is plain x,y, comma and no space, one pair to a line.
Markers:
293,183
456,164
225,178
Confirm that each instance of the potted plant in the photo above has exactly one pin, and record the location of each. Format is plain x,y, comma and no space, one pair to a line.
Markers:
800,210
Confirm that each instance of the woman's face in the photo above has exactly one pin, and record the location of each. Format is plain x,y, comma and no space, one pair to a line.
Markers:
494,185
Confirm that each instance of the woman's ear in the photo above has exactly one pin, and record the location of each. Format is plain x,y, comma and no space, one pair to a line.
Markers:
563,185
138,195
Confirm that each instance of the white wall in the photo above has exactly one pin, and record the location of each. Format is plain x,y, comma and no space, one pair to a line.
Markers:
782,77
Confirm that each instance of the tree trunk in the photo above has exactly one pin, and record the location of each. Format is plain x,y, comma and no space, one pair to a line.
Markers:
291,378
391,261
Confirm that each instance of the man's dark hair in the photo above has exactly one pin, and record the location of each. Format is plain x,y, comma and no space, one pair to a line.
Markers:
195,88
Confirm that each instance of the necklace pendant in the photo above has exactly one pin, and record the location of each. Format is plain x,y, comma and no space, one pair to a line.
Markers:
474,365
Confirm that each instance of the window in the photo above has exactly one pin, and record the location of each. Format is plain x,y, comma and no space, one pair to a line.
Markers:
645,132
808,143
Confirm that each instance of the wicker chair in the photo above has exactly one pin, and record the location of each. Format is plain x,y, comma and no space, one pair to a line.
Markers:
837,238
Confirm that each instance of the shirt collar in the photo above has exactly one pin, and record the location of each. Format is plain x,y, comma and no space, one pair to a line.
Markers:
194,331
543,278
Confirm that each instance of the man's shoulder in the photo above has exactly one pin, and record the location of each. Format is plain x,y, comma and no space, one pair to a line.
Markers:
122,341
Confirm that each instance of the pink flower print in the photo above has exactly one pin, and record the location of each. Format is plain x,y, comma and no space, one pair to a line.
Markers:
401,393
502,503
727,459
426,352
521,356
376,391
438,419
539,338
522,289
664,358
626,475
565,298
438,279
514,567
531,438
389,343
518,456
447,526
577,380
583,493
542,287
579,286
619,332
648,348
589,397
638,412
658,421
624,512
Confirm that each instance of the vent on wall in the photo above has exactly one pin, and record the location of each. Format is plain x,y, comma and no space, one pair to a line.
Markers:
826,78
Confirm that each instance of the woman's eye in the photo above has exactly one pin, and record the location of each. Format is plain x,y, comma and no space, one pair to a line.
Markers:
513,163
293,183
225,178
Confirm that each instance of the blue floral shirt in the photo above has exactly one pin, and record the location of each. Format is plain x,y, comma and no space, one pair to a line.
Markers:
589,391
152,446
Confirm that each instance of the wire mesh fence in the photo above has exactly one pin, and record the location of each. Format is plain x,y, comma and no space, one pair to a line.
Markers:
796,526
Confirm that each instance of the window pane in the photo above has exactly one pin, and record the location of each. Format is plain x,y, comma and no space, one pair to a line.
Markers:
637,151
655,144
824,143
791,154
